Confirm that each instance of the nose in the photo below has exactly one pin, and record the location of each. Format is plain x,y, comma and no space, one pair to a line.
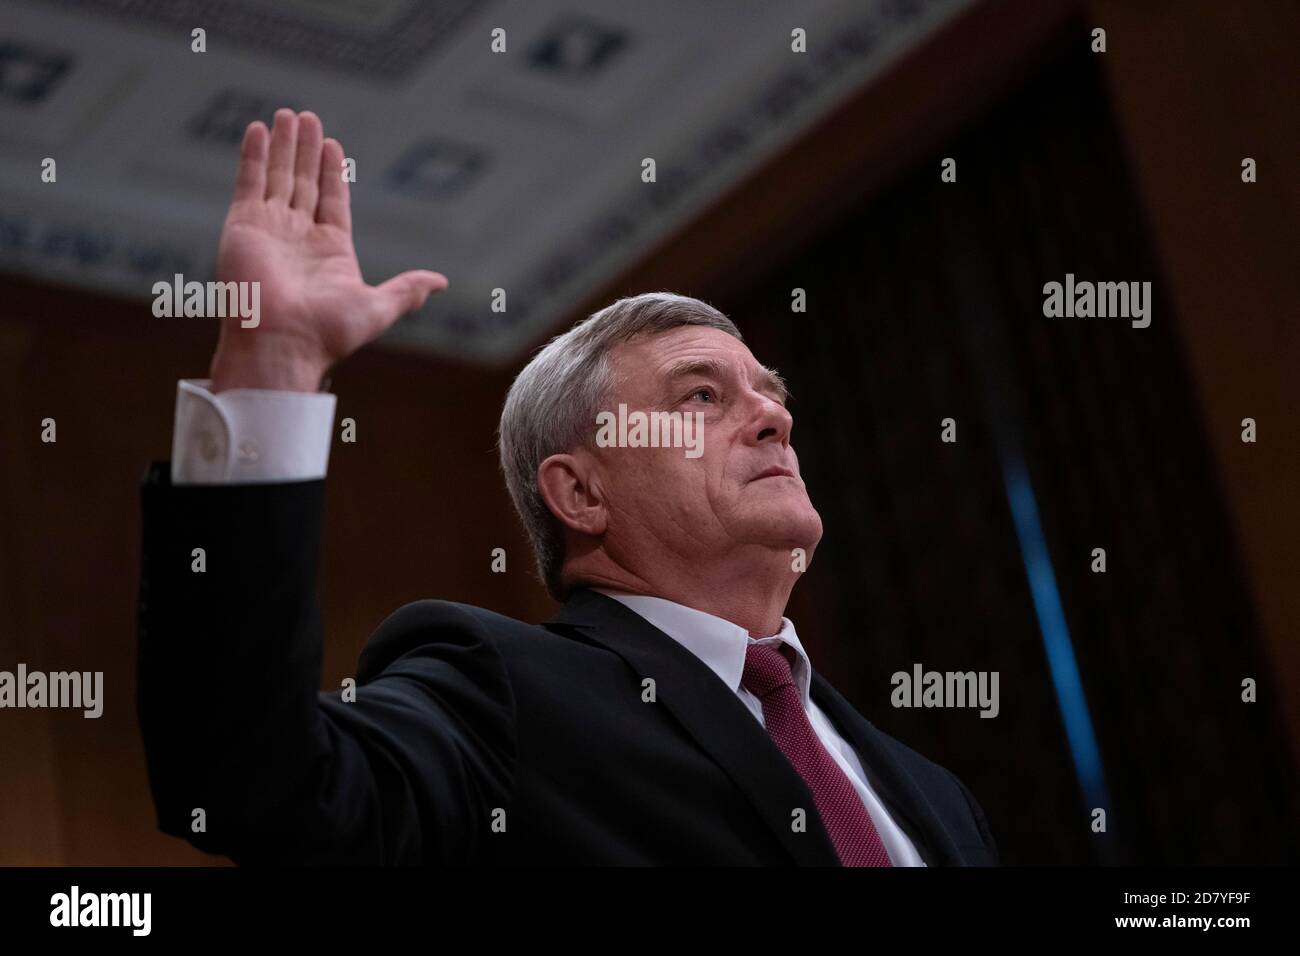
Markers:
773,422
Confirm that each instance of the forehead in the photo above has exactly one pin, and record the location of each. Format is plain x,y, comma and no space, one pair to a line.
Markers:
657,354
648,362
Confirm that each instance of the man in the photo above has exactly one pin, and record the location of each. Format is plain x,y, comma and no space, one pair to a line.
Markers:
667,715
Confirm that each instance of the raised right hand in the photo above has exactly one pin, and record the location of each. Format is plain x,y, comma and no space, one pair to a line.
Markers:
290,228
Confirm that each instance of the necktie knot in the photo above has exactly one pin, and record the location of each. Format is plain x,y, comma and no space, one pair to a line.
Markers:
767,669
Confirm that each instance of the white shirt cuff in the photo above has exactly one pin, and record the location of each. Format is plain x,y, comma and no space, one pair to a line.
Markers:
249,434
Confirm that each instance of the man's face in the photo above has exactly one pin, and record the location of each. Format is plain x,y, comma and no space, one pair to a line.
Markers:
743,490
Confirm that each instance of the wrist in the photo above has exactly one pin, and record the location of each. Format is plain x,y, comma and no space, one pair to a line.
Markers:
282,365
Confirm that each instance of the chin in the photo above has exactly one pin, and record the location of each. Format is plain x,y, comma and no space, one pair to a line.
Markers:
797,525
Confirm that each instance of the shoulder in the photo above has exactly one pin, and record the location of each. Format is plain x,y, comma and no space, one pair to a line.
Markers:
445,629
944,788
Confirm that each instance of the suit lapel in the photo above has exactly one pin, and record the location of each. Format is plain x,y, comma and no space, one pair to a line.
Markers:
712,714
890,780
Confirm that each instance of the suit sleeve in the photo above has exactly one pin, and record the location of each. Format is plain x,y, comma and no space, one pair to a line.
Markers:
246,756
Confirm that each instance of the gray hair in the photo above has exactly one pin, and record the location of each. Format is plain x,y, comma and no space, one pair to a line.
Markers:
552,405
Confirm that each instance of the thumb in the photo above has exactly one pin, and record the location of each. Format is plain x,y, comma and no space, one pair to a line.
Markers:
406,292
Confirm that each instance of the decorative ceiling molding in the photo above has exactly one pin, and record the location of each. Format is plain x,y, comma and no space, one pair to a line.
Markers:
518,170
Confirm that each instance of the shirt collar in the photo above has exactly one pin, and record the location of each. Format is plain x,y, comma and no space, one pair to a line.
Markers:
720,644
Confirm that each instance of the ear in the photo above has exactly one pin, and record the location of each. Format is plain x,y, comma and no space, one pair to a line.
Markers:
565,483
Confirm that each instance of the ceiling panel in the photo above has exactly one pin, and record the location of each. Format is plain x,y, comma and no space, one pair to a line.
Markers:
518,170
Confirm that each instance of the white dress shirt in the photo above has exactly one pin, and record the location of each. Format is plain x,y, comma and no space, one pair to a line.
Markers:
263,435
249,434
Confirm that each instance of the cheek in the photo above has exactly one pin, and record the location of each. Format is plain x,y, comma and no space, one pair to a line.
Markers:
718,491
689,482
662,482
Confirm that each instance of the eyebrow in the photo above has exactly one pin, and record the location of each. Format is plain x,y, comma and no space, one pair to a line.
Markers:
771,380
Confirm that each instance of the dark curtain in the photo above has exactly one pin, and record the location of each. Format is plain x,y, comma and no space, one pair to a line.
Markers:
928,304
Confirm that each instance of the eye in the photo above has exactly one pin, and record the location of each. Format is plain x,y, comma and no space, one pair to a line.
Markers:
703,390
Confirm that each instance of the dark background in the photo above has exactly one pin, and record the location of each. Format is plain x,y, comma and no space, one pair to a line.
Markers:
924,303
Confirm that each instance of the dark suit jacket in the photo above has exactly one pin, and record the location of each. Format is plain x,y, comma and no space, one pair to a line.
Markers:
474,738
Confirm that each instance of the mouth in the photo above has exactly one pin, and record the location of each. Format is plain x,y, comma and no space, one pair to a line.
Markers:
773,473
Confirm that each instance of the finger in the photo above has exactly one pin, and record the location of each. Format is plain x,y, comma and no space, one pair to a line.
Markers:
250,181
407,292
335,204
306,168
279,168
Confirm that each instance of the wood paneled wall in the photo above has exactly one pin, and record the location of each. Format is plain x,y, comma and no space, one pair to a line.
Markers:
416,507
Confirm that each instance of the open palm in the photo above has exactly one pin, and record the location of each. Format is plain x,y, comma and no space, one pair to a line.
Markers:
290,229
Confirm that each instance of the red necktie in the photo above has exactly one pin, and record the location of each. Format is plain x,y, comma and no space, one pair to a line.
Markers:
768,676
